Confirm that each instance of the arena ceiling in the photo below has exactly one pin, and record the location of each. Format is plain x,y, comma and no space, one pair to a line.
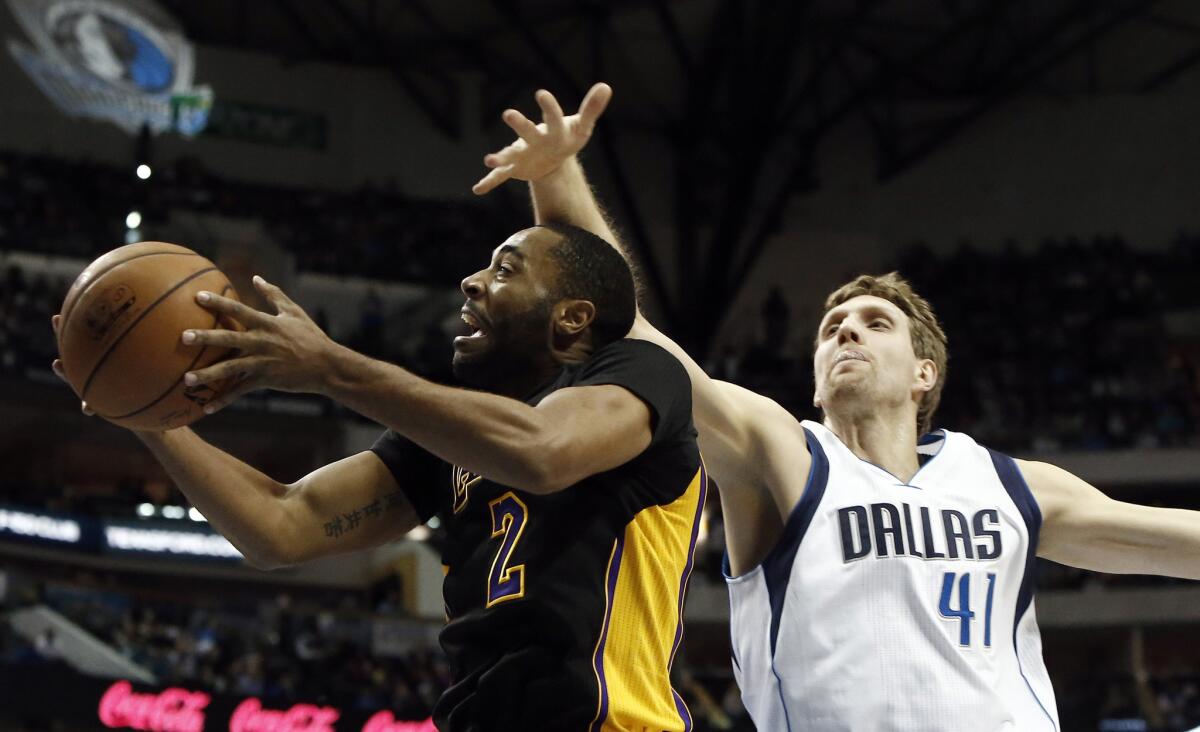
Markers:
742,92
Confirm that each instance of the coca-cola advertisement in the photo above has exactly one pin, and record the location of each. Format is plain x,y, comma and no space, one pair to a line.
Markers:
58,695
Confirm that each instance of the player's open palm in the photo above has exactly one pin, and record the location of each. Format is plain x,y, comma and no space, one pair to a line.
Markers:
540,148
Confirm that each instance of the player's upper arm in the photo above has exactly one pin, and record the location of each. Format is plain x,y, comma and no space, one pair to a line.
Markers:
590,429
1084,528
349,505
742,434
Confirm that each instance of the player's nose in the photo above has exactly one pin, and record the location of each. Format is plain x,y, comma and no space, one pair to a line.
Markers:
472,286
848,332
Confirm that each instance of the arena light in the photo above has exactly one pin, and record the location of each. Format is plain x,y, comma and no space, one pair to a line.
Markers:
145,510
173,512
195,515
420,533
144,172
434,522
133,220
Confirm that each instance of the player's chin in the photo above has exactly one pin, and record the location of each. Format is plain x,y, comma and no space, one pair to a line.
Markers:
472,360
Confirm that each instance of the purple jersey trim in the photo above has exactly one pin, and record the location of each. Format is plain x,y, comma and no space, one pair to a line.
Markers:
598,659
680,705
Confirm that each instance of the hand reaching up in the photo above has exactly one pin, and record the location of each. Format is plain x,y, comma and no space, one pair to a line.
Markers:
541,148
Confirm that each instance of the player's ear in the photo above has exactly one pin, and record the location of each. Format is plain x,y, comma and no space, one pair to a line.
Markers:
571,317
926,375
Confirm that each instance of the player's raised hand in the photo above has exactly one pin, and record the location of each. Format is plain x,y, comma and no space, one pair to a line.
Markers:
285,351
57,366
540,148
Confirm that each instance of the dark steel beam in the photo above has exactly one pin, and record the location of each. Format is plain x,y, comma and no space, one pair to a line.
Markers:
1186,27
640,241
1171,72
298,24
439,103
1006,87
675,38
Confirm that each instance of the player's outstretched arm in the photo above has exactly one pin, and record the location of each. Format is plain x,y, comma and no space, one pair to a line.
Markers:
1082,527
571,434
508,441
275,524
732,421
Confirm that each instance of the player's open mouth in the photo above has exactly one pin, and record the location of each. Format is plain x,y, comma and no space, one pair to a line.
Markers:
473,323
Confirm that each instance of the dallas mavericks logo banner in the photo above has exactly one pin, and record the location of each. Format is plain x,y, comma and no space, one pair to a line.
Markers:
125,61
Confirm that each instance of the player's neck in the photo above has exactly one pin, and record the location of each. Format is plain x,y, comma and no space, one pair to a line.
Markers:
887,440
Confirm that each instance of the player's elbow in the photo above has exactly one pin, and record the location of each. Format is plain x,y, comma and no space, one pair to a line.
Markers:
546,465
265,558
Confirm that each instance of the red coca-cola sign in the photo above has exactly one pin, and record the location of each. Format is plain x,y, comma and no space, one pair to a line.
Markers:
386,722
171,710
251,717
181,710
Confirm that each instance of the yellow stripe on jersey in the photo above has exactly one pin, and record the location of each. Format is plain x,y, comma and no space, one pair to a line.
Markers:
644,618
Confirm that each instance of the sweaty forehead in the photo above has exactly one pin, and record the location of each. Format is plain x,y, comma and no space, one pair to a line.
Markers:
863,305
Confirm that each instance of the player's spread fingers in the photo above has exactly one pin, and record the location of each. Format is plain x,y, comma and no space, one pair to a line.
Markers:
594,104
275,295
551,110
83,407
57,368
491,180
520,124
240,312
220,338
503,156
55,321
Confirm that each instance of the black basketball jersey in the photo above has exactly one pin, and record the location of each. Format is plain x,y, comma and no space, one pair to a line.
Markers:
566,610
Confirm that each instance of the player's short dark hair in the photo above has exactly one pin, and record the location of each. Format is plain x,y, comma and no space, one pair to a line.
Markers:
592,269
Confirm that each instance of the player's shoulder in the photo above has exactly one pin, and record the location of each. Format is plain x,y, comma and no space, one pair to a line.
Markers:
631,361
633,349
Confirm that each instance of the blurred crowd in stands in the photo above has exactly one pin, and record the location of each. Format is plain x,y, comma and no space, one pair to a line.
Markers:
1072,345
296,649
1069,345
313,649
78,209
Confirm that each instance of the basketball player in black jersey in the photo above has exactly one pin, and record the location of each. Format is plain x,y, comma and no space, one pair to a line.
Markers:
570,486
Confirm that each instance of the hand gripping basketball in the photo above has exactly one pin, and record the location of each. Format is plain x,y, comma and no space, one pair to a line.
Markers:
286,350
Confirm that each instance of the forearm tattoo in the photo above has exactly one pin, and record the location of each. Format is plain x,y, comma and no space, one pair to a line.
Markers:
343,523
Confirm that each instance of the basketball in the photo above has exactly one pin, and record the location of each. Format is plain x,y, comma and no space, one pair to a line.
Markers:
119,336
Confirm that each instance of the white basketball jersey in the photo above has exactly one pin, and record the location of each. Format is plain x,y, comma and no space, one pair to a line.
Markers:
894,606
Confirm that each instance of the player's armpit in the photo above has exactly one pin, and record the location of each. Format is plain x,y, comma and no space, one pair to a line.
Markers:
1082,527
346,506
592,429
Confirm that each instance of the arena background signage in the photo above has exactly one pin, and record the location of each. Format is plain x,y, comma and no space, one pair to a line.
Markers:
137,537
55,694
266,125
124,61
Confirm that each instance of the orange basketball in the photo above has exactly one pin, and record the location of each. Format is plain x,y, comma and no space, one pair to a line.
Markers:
119,336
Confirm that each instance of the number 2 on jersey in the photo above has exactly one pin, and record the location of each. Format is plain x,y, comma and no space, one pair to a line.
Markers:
508,520
963,612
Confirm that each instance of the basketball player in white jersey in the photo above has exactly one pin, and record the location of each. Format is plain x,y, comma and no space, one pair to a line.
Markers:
878,579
